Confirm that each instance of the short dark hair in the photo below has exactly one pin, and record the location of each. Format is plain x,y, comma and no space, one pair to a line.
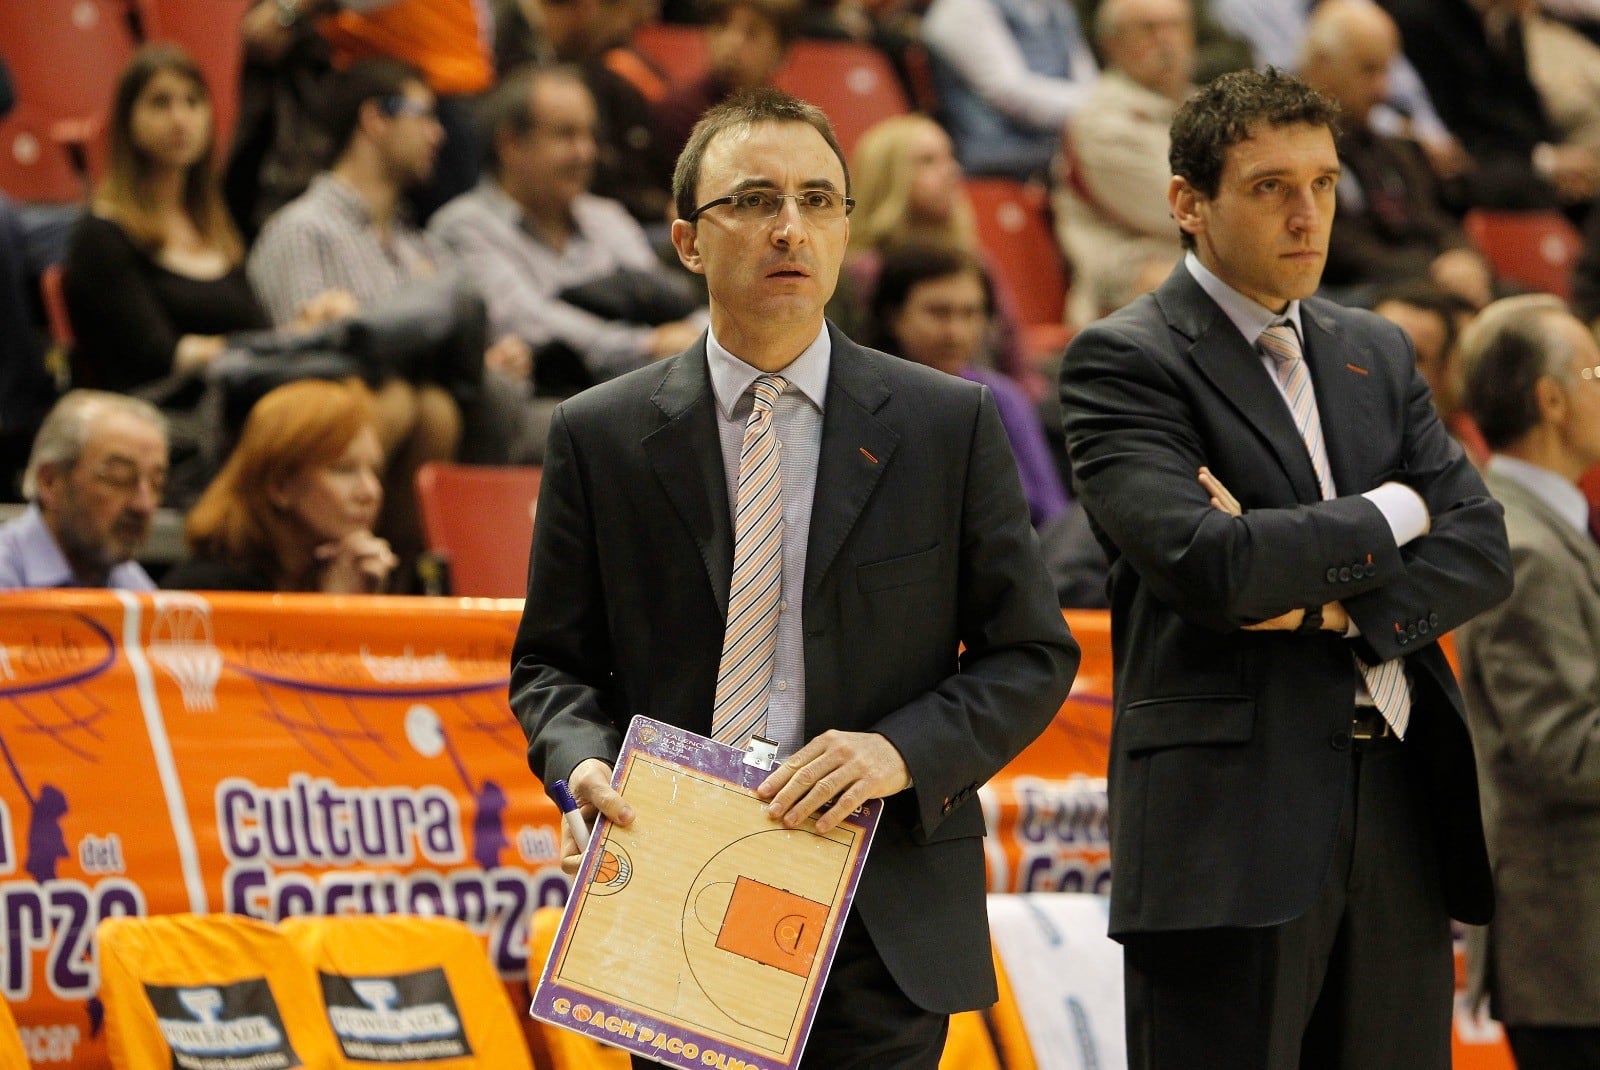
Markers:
1504,354
370,79
747,108
1445,305
1224,112
508,108
904,268
786,17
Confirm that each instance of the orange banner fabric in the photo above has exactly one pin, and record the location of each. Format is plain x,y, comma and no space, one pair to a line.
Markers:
289,755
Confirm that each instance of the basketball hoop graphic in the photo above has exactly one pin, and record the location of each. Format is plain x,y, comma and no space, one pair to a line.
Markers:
180,642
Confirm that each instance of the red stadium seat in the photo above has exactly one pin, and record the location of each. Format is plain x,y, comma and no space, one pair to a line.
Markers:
209,31
680,51
853,83
480,521
64,57
1014,228
1536,249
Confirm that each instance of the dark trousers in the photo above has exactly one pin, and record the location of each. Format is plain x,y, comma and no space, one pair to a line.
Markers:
1363,981
1555,1047
864,1021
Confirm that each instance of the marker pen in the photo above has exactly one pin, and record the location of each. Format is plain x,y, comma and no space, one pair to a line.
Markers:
569,813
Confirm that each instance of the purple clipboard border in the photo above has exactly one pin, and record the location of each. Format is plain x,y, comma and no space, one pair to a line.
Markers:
639,1031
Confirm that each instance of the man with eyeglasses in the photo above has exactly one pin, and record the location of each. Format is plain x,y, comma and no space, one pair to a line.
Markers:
93,482
778,533
1531,679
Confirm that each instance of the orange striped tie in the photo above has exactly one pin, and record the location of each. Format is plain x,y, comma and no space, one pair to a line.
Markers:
1386,681
751,638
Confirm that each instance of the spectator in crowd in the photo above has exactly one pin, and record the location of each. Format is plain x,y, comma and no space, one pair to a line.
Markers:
1217,50
94,480
346,244
908,189
25,387
294,506
1433,318
1111,193
631,165
1010,74
1530,673
746,41
531,230
933,305
1391,225
280,139
1276,29
448,42
154,274
1472,57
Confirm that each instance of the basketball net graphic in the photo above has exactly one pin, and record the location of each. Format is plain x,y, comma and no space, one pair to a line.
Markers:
180,642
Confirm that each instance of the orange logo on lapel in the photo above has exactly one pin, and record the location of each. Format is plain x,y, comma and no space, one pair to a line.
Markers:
867,455
1358,370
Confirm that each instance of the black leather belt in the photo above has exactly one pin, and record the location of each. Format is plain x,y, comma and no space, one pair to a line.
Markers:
1368,724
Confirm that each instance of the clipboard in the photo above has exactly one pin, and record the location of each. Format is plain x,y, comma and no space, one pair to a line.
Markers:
702,934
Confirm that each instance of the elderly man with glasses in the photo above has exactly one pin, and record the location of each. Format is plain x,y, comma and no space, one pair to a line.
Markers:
780,534
94,480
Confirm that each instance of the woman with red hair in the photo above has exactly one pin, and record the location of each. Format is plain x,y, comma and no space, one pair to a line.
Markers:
293,508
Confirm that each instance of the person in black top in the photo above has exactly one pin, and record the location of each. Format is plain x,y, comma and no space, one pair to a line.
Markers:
154,275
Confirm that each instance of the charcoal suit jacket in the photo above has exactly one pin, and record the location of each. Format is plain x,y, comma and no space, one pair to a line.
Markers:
927,614
1231,750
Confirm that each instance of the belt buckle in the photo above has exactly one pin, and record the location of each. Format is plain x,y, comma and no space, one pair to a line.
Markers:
1369,725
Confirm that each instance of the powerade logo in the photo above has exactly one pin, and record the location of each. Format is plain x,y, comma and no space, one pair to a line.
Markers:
400,1018
222,1027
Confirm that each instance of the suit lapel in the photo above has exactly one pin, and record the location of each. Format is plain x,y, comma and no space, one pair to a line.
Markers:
1351,432
856,449
1235,369
687,456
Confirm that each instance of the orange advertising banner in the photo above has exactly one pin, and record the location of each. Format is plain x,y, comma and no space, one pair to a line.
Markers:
301,754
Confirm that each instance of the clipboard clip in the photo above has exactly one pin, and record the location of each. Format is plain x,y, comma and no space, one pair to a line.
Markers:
760,752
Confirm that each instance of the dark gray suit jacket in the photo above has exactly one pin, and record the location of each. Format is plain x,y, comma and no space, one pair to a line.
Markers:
1530,669
1230,750
919,545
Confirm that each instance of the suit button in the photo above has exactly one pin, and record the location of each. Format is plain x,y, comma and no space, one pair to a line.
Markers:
1411,632
1361,572
1422,626
1340,740
1333,575
1400,638
1433,620
1344,575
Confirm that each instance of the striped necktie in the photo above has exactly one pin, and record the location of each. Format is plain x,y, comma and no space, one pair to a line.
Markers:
1386,681
750,641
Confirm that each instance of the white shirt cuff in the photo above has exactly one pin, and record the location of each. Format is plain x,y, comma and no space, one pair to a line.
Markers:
1403,508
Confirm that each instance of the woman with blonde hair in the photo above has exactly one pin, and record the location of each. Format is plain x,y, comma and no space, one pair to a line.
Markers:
293,508
909,191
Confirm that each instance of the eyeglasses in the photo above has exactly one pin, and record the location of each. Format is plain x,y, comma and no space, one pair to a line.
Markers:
124,478
760,205
402,105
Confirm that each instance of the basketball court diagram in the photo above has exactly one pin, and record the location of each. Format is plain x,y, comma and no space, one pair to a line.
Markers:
705,918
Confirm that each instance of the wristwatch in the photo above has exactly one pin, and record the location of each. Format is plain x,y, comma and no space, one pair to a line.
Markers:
1311,622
